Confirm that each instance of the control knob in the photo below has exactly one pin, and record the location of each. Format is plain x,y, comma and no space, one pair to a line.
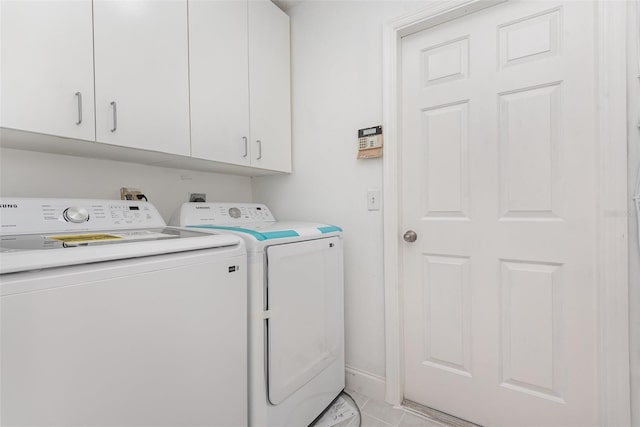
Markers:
76,215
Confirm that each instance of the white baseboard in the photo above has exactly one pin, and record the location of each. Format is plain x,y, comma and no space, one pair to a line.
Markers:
371,385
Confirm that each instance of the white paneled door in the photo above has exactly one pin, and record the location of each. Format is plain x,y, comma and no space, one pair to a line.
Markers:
499,184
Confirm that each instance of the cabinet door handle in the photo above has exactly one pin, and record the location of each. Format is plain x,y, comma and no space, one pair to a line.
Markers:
79,96
246,146
259,149
115,116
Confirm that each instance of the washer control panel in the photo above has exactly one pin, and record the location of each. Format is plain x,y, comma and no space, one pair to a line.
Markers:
224,214
29,216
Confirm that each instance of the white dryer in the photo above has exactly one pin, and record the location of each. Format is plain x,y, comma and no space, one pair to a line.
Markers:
296,309
108,317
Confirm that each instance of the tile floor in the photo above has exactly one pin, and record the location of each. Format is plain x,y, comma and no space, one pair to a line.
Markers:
381,414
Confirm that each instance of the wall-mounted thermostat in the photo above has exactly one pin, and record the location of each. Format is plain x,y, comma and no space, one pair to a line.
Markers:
370,142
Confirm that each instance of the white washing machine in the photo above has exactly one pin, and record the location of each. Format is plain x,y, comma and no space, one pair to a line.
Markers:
108,317
296,309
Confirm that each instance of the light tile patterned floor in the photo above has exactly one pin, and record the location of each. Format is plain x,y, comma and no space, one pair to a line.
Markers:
381,414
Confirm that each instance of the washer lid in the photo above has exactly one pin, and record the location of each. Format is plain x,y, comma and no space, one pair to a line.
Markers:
38,251
262,231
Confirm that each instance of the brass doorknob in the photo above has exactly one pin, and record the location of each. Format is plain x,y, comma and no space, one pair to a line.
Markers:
410,236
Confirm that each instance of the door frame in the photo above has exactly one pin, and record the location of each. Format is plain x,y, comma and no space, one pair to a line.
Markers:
612,256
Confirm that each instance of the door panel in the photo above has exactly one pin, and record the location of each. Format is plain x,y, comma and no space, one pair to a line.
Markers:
306,313
499,183
446,303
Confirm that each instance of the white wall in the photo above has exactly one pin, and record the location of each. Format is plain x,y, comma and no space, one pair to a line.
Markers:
32,174
337,89
634,169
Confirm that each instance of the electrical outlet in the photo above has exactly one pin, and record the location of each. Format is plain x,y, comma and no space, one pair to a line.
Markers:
197,197
129,193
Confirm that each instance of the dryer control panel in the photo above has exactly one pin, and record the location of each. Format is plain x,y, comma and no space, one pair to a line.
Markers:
30,215
222,214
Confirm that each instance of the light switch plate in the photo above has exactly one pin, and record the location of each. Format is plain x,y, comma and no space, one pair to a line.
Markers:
373,200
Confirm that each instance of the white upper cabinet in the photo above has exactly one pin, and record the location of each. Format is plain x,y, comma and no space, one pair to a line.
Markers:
240,83
270,86
207,79
142,74
47,67
219,69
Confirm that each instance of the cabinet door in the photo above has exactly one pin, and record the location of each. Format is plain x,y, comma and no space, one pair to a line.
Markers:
47,67
219,70
142,74
269,86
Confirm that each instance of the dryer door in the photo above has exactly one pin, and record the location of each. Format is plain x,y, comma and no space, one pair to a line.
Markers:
306,324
